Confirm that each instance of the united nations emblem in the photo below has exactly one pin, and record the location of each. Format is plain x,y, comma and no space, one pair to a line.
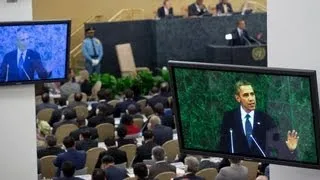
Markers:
258,53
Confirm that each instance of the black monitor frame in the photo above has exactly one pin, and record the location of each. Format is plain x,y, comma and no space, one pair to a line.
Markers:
311,74
47,22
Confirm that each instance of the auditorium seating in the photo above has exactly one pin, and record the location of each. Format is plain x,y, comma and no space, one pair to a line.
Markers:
208,173
45,114
165,176
105,130
130,150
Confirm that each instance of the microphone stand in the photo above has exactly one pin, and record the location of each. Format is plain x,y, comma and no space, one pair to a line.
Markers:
264,155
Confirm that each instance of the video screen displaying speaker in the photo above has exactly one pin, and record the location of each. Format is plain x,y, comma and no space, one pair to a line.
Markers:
34,51
265,114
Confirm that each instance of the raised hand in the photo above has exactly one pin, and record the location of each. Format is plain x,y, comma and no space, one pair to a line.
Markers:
292,140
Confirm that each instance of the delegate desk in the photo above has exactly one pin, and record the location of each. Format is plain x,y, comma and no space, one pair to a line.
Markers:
251,55
154,42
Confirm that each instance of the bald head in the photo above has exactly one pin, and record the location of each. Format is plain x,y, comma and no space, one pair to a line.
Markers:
262,178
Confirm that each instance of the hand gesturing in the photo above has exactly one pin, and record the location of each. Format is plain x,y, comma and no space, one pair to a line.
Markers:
292,140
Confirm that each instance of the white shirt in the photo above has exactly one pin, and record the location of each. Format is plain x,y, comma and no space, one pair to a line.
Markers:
19,54
225,8
240,32
243,118
198,7
166,11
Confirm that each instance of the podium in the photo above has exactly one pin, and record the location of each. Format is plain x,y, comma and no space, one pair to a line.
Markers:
251,55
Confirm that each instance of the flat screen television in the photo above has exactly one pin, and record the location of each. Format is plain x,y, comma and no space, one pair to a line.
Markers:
34,51
255,113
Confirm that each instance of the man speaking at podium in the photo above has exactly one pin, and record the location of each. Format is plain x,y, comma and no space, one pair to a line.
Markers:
22,63
240,36
246,131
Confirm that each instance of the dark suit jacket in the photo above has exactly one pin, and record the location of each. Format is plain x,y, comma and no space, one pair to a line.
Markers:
167,121
219,8
78,159
75,104
75,134
114,173
86,144
160,167
232,120
49,151
192,10
158,99
86,87
144,152
41,106
31,65
162,134
240,41
122,107
189,176
110,109
99,119
161,12
207,164
122,142
118,155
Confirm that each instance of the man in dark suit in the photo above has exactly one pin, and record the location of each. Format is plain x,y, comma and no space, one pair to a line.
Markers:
118,155
224,7
68,170
192,164
157,98
22,63
104,96
45,103
197,9
161,165
86,142
166,10
81,128
52,149
160,132
112,172
77,101
244,130
240,35
78,158
144,151
101,117
166,120
68,117
121,107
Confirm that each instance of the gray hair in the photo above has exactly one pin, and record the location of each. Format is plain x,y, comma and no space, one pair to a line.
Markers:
192,163
158,153
155,120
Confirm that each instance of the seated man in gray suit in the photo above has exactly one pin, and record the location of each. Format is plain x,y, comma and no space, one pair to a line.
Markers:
161,165
233,172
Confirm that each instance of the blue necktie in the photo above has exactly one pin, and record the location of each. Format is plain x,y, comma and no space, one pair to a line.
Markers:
248,129
20,66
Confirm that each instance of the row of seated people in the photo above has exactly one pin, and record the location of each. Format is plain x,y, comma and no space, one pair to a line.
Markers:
197,8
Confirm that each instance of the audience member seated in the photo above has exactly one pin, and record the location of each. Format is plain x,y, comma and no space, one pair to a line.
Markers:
197,9
68,117
192,164
161,165
68,171
112,172
224,163
166,10
133,112
261,177
118,155
51,148
85,85
122,132
137,93
78,158
82,127
161,133
104,96
102,111
165,90
55,117
144,151
77,101
140,170
166,120
86,142
127,121
43,130
157,98
98,174
45,103
121,107
206,163
70,87
233,172
62,103
224,7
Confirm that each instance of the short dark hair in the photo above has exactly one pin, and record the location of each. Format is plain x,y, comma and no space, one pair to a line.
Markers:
45,97
69,113
90,29
159,108
132,109
110,142
164,87
239,21
78,97
56,116
121,131
105,94
107,159
81,121
158,153
126,119
51,140
148,134
128,93
68,142
62,101
239,84
86,134
103,109
154,90
140,170
98,174
68,169
235,160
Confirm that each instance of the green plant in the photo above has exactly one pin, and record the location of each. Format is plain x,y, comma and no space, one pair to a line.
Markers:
144,81
124,83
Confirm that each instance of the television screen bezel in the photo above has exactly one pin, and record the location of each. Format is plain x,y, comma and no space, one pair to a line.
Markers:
43,22
311,74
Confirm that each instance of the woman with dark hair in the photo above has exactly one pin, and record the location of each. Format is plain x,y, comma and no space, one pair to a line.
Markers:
122,133
127,121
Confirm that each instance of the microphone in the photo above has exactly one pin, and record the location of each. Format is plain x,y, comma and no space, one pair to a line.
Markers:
7,74
255,40
244,37
264,155
26,73
231,140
